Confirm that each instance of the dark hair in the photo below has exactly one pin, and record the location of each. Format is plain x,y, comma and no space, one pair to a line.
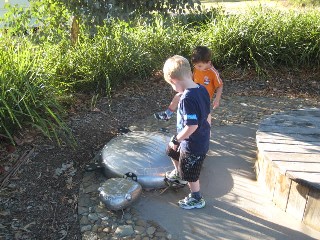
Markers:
201,54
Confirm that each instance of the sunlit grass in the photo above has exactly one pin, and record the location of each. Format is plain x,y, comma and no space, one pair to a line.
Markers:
236,6
39,75
27,100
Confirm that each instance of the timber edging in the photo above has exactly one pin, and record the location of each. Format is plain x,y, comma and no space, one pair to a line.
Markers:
288,162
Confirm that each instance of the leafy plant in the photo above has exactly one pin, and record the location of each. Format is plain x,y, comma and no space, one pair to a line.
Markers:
264,38
305,3
25,99
40,72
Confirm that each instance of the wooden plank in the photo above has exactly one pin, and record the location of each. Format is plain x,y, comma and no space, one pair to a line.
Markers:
298,167
312,211
287,148
312,180
261,166
290,130
305,116
263,136
297,200
295,157
281,190
289,154
292,142
289,120
270,176
310,112
258,165
265,175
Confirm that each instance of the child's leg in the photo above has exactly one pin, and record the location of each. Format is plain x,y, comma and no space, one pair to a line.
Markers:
175,164
190,165
194,186
194,199
175,174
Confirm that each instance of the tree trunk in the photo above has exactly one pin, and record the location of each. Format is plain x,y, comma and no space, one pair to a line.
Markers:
74,30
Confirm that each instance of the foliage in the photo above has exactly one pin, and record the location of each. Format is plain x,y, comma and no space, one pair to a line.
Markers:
120,51
40,71
265,38
41,21
198,17
96,11
93,13
25,99
16,20
305,3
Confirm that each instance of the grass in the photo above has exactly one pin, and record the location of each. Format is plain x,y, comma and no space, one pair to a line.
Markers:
40,73
237,6
27,100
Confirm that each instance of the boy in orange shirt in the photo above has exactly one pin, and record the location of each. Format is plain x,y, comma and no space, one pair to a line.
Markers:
205,74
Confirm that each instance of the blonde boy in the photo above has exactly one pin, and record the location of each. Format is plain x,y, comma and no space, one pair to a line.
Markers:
205,74
189,147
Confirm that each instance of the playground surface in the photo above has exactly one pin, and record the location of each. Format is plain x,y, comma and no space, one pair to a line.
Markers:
237,206
52,197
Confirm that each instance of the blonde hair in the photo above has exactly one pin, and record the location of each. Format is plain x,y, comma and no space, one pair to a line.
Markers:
176,67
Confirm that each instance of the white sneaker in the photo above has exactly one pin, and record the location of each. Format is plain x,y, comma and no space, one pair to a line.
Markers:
173,176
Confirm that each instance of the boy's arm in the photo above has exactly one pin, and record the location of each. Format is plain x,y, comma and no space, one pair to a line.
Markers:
185,133
174,103
216,101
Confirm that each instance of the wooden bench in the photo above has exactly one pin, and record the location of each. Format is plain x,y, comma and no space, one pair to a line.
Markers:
288,162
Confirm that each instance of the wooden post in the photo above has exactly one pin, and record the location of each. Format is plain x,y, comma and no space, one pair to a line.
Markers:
74,30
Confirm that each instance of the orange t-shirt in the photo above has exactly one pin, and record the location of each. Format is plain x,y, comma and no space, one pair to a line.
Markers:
208,78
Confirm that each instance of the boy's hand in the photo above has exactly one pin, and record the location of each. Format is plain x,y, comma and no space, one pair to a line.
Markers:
174,144
215,104
174,147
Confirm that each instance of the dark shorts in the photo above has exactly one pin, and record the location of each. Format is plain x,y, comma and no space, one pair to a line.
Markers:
189,164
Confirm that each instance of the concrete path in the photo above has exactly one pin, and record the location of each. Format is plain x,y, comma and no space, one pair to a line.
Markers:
237,207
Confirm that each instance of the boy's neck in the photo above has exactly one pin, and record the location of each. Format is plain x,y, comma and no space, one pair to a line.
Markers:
188,84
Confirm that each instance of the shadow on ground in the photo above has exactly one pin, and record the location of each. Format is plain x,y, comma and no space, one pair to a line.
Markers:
236,206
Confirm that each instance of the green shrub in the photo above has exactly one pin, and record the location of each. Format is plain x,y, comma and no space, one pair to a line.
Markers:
40,72
25,99
265,38
305,2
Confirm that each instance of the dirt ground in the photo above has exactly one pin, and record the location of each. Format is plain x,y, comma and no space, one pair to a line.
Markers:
40,180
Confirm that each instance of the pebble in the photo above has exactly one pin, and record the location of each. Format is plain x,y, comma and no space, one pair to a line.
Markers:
97,222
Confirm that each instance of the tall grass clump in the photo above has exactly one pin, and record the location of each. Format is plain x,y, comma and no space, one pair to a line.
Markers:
40,72
119,52
53,70
265,38
25,99
305,3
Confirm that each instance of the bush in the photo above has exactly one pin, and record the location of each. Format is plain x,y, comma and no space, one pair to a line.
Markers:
40,71
25,98
265,38
305,2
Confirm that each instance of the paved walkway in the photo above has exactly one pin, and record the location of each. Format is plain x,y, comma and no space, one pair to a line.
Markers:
237,206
